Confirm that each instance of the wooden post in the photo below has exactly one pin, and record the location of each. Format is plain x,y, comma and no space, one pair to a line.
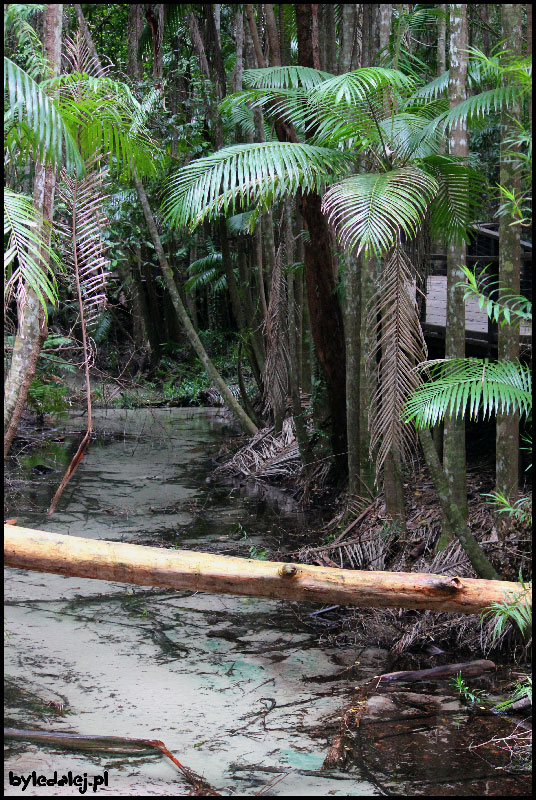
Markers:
43,551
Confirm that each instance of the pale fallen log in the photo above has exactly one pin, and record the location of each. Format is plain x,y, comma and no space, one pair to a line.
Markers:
204,572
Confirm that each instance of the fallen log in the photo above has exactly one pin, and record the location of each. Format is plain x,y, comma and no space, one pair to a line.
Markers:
43,551
466,669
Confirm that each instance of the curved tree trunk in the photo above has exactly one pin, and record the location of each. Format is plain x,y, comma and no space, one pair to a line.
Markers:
32,329
233,405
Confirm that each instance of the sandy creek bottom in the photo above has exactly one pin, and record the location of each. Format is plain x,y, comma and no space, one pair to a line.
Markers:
241,690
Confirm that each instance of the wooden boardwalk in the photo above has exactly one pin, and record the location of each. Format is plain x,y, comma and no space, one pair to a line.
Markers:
476,319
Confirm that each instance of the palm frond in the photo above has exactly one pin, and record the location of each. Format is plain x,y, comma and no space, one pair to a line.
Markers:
244,175
479,106
48,136
29,47
461,386
398,347
358,86
370,211
459,195
85,249
108,119
243,224
512,309
285,77
28,251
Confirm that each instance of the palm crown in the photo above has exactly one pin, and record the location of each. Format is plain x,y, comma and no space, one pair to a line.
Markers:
365,142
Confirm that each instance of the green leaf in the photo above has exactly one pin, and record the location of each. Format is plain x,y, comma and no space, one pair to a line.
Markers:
251,174
371,211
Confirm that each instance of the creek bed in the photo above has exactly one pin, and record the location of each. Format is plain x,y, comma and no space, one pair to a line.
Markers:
241,690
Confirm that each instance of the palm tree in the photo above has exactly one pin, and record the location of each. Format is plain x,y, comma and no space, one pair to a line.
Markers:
367,117
65,119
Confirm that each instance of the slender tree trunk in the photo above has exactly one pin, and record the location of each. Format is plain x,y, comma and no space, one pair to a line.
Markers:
454,427
273,37
386,15
352,327
236,80
86,33
293,335
327,37
392,472
32,329
134,29
452,512
245,422
507,437
441,39
347,37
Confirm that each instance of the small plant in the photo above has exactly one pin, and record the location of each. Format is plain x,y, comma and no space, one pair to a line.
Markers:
520,510
254,552
47,398
257,553
515,607
521,690
471,696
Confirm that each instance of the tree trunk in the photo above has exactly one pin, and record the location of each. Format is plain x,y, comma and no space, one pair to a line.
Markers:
324,307
454,427
507,436
32,329
441,39
451,510
245,422
357,397
368,277
347,37
298,414
26,548
134,29
386,15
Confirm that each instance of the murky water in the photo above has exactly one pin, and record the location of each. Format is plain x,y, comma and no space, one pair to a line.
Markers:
239,689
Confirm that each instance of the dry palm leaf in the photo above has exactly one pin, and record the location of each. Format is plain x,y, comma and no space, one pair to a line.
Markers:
399,343
85,253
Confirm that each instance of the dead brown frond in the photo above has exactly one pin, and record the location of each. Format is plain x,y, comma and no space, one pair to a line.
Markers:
85,253
78,57
398,347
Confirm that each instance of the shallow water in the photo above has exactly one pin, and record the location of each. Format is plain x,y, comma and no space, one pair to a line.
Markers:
241,690
198,671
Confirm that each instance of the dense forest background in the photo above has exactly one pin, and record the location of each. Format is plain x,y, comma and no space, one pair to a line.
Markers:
240,204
